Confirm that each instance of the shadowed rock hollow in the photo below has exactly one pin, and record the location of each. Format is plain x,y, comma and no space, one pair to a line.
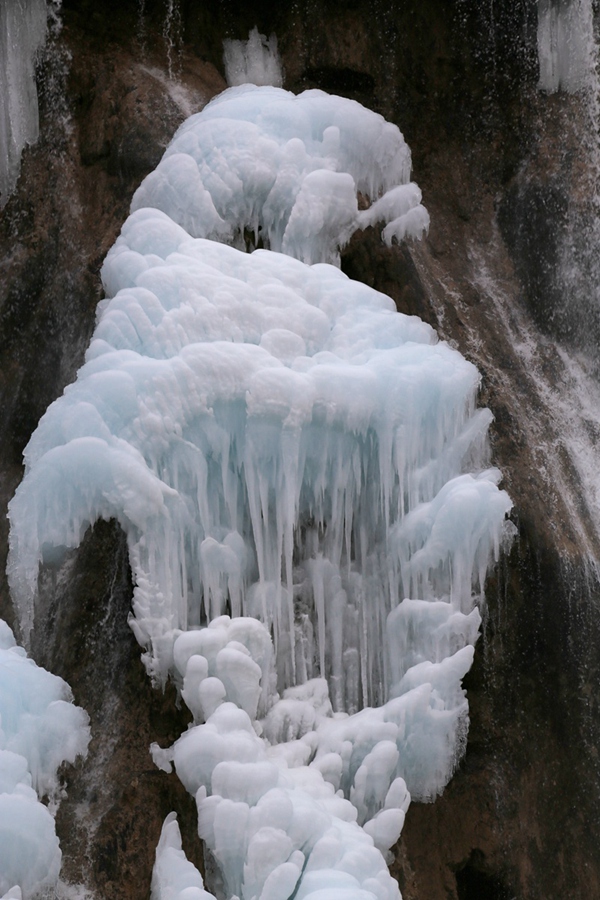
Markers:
503,169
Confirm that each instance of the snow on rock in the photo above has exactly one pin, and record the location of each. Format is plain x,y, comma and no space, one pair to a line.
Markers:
40,729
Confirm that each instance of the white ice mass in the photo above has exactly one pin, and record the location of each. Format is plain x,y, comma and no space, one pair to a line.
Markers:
40,729
301,472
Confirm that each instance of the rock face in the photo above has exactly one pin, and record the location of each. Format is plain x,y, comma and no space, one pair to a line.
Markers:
505,175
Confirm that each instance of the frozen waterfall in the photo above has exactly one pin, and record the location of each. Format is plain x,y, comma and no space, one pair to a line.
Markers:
302,475
566,49
23,25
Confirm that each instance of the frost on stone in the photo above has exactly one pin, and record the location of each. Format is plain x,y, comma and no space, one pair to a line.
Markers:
40,729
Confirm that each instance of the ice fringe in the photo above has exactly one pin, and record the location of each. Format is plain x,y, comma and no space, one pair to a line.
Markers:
281,445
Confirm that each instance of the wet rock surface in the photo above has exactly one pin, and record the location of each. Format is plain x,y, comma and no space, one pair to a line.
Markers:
496,163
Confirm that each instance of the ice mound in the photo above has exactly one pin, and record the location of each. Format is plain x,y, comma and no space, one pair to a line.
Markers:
286,170
318,802
40,729
272,817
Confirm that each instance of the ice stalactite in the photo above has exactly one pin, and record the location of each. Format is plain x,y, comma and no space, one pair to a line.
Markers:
302,474
23,28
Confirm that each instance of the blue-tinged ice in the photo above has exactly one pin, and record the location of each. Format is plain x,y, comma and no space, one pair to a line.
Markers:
284,171
303,478
255,61
40,729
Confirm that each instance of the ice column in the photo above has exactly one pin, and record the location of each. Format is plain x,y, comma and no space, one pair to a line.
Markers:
302,474
23,25
40,729
565,44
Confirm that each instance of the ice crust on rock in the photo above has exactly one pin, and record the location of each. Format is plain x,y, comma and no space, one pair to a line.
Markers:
255,61
302,475
40,729
23,26
286,170
272,437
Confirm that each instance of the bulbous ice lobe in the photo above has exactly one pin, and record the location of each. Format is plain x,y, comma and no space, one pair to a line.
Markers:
40,729
287,169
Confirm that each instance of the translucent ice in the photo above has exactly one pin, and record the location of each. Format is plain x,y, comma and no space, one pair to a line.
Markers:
234,407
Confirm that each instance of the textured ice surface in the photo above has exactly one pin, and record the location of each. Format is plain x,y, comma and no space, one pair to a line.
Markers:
39,730
22,32
284,170
301,473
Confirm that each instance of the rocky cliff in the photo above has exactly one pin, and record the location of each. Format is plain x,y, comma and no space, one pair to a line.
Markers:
505,172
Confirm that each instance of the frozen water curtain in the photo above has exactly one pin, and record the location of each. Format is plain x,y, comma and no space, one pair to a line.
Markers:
301,473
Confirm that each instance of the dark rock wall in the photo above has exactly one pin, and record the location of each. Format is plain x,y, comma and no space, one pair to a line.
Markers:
503,174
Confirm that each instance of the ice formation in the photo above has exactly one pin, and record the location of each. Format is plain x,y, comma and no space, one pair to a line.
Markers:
254,61
23,25
565,40
40,729
284,171
301,473
173,876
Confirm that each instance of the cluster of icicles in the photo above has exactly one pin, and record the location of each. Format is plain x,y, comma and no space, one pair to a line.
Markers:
300,472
